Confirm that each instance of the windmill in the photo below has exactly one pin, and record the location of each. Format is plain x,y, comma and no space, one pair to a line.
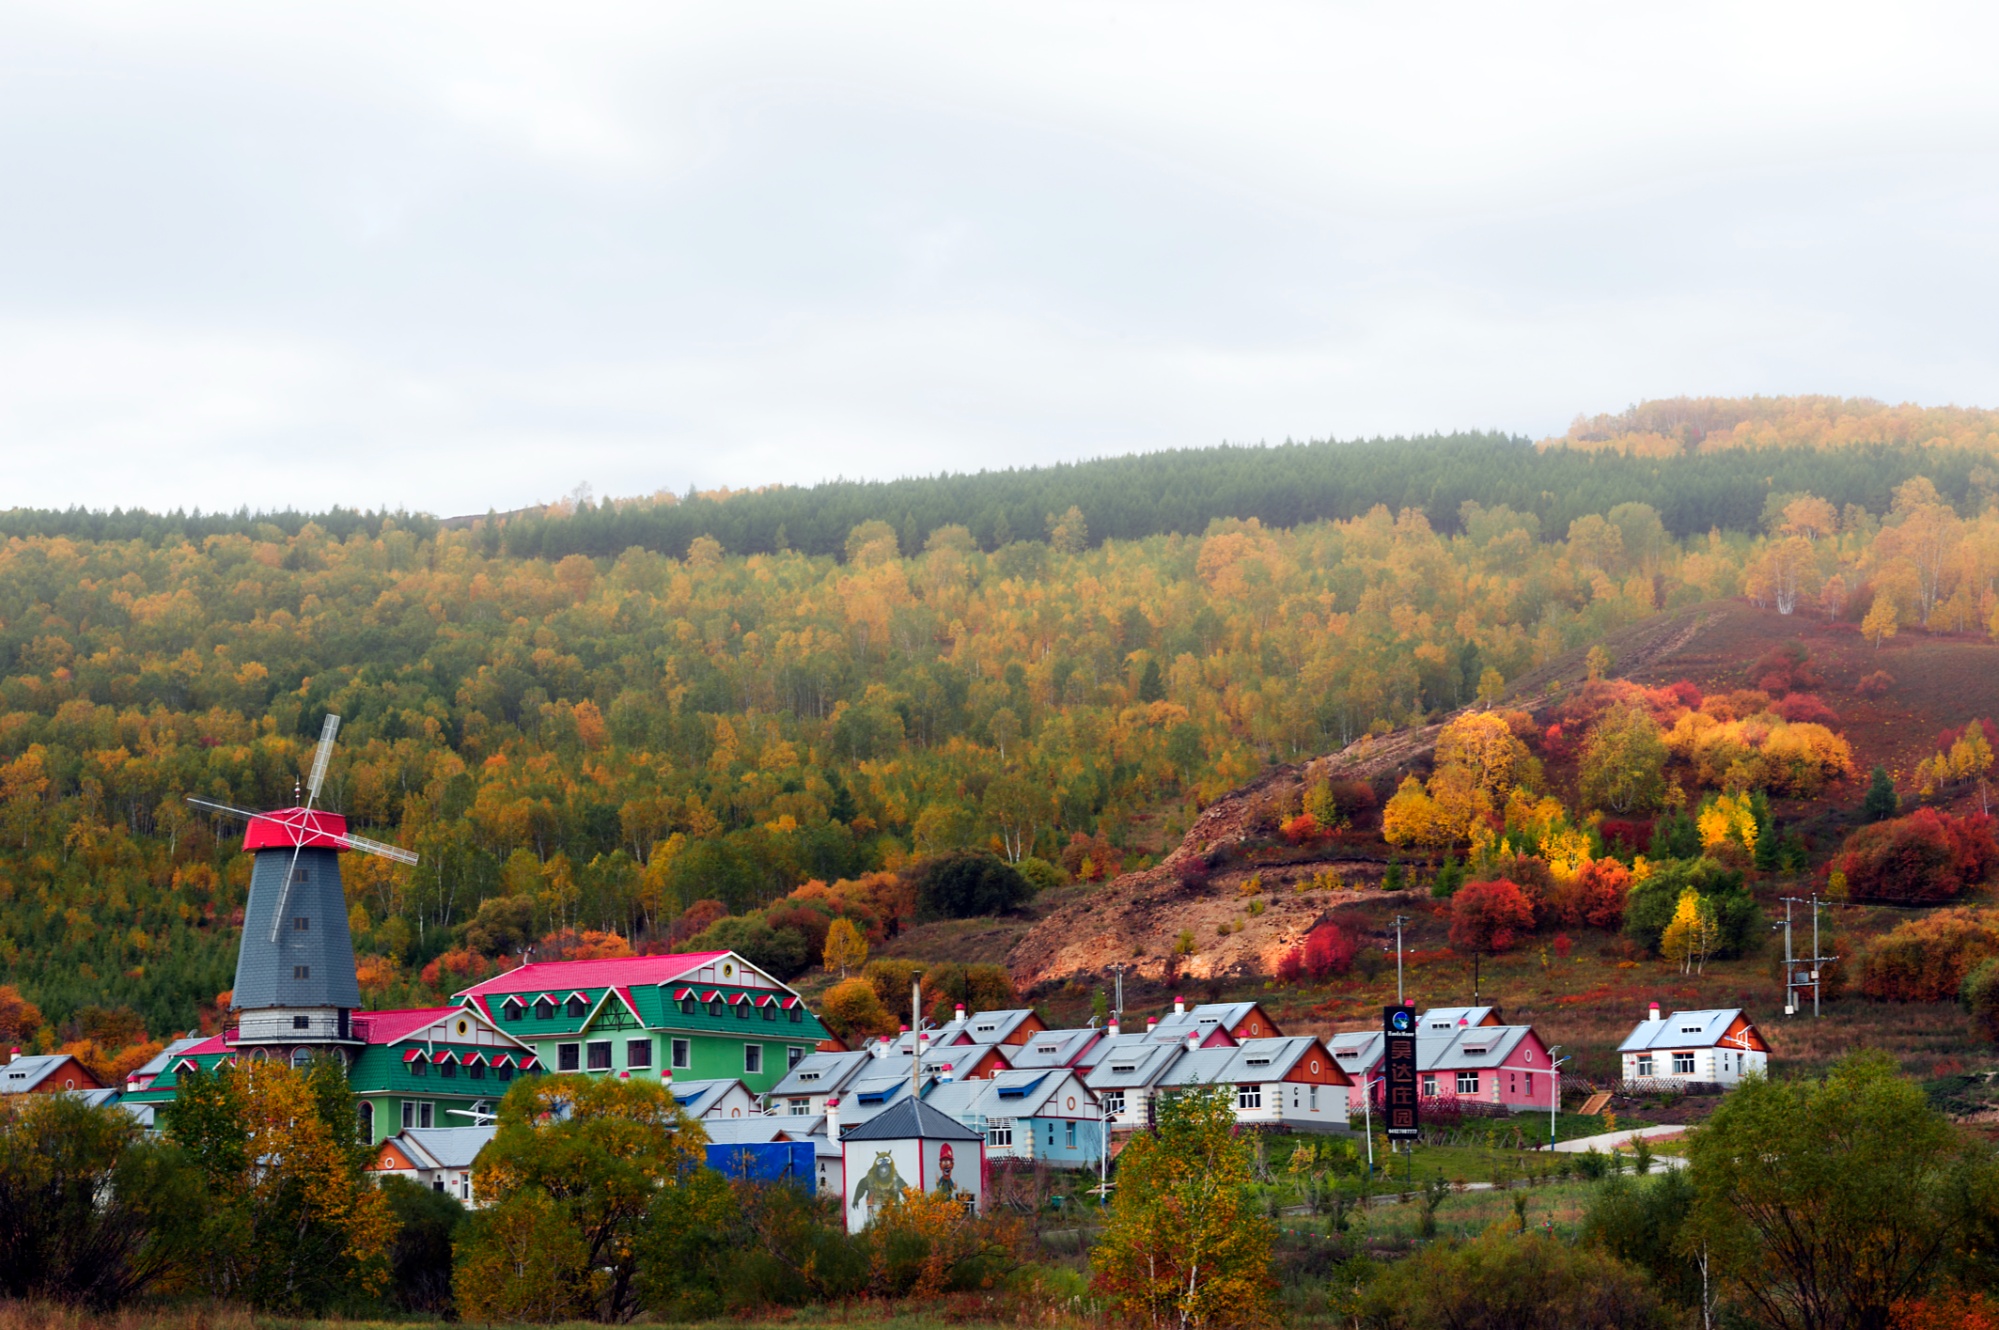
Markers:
295,982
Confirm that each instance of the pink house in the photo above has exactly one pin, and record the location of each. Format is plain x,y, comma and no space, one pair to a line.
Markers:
1503,1065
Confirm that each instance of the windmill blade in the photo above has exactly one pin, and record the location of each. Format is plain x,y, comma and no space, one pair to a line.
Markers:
321,758
366,846
214,807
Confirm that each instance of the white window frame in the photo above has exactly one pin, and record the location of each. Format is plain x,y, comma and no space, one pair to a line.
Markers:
426,1115
1429,1085
1467,1082
1683,1058
1644,1064
1069,1134
682,1054
572,1054
999,1133
1248,1097
753,1059
642,1047
1114,1103
599,1048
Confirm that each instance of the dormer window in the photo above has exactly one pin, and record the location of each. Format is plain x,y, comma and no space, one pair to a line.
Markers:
576,1006
797,1015
687,1006
1690,1029
715,1007
512,1009
770,1013
544,1007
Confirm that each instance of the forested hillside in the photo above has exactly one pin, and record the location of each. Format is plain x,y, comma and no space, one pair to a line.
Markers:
609,736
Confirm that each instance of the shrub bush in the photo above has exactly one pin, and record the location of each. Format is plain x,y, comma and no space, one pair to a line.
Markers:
1876,684
1980,998
967,884
1489,916
1922,859
1649,906
1593,898
1927,959
1802,708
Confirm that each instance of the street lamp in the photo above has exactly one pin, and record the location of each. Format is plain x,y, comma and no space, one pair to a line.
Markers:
1367,1115
1554,1075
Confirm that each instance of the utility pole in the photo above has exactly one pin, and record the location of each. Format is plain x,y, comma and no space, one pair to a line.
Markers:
1117,1007
915,1041
1400,920
1794,979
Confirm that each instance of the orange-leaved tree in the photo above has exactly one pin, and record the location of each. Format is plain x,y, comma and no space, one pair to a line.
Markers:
1185,1245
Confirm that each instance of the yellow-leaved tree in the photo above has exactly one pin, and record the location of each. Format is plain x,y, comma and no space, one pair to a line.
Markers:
846,949
1690,938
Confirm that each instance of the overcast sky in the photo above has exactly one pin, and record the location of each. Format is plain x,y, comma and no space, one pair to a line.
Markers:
458,257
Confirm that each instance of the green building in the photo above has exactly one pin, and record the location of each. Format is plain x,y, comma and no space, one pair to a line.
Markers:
423,1067
701,1016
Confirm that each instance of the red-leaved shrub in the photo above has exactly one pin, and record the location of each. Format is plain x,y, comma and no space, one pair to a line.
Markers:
1594,897
1489,916
1303,829
1803,708
1876,684
1634,833
1922,859
1563,946
1950,737
1327,950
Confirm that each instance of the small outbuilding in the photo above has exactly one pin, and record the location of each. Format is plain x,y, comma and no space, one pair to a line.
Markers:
910,1145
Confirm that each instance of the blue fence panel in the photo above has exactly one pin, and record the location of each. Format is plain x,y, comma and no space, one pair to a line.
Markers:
767,1161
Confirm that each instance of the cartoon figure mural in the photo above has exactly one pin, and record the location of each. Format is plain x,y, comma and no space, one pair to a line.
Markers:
911,1145
879,1185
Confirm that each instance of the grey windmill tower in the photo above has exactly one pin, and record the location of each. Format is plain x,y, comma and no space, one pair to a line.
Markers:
295,988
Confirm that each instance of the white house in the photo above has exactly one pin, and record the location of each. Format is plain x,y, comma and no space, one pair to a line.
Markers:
714,1099
1124,1072
1047,1115
439,1158
1291,1081
1717,1047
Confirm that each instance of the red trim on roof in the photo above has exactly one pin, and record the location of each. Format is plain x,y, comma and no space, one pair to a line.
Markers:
711,995
576,993
501,1060
412,1054
471,1059
530,1061
446,1056
682,994
288,827
594,974
791,1002
740,998
769,999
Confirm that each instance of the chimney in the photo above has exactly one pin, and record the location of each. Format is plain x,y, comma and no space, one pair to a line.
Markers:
666,1078
1114,1026
1151,1024
14,1053
961,1013
1653,1015
946,1077
1179,1005
1193,1040
833,1119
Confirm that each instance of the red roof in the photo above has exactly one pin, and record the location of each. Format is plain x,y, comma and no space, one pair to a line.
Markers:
386,1027
619,972
296,826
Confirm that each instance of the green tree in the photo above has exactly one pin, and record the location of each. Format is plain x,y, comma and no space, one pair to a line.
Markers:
1151,683
572,1171
91,1211
1881,801
427,1223
1652,903
1643,1223
1184,1244
1624,762
1825,1202
967,884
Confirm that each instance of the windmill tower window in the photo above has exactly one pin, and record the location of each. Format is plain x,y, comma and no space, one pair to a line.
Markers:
301,1022
301,972
300,875
301,924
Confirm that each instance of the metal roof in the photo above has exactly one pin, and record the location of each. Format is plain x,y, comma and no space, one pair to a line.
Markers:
822,1073
615,972
1206,1017
25,1073
445,1147
1682,1029
1446,1018
1052,1048
912,1119
1462,1047
1131,1064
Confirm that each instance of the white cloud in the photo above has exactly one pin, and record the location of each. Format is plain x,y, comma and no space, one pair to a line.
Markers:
458,256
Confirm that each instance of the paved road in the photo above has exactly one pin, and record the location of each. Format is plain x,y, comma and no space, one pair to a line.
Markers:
1606,1141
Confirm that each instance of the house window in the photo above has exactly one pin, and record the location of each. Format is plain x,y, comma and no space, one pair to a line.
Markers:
797,1015
1248,1096
511,1009
477,1071
423,1113
793,1056
687,1005
1051,1136
1467,1082
1644,1064
576,1006
1429,1087
365,1112
770,1013
715,1007
448,1070
1683,1064
638,1052
600,1054
1312,1099
568,1057
544,1007
301,1058
753,1059
800,1107
419,1068
409,1114
301,972
504,1072
999,1132
1114,1102
300,924
1069,1135
301,1022
742,1011
682,1055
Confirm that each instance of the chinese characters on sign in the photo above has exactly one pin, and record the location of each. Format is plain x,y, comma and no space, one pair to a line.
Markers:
1399,1072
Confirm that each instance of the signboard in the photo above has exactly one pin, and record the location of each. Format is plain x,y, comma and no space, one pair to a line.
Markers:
1399,1072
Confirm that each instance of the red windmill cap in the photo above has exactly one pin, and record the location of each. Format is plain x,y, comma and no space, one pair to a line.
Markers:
301,827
